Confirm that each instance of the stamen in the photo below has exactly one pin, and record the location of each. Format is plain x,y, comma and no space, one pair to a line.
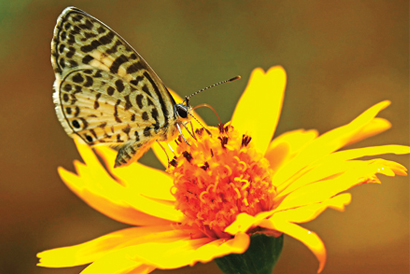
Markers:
173,163
224,141
205,166
245,140
187,156
199,131
221,128
214,181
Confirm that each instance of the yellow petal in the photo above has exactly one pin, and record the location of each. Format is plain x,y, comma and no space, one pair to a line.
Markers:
92,250
326,144
139,178
307,213
100,184
367,151
284,147
213,250
258,110
117,263
153,207
159,152
376,126
308,238
279,223
244,222
337,162
185,252
107,205
142,269
363,172
313,174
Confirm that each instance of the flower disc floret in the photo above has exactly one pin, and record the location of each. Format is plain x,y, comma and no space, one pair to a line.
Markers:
218,176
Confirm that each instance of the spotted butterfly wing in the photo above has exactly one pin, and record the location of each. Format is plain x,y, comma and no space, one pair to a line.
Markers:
105,92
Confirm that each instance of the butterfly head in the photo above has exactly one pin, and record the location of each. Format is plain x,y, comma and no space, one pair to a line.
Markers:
183,110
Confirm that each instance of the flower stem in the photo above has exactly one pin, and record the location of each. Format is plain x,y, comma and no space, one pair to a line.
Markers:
260,257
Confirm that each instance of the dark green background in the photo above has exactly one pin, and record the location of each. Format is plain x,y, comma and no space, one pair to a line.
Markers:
341,57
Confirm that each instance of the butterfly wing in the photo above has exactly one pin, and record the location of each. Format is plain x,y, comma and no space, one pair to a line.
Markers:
104,90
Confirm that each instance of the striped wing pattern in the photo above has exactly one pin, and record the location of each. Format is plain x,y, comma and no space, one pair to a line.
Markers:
104,90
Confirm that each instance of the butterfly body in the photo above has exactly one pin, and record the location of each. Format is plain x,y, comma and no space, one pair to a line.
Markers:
105,92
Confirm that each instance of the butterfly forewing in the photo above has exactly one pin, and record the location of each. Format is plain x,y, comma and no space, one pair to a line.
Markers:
105,92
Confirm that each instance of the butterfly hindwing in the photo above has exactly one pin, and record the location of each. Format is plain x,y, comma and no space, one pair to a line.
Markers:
92,107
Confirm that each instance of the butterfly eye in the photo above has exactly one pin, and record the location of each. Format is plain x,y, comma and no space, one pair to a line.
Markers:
181,110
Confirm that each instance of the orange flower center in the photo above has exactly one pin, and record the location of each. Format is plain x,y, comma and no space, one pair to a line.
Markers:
217,177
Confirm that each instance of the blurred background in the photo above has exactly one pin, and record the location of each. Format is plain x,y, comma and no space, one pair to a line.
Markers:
341,58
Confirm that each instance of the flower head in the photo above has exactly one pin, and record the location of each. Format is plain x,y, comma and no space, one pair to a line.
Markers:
219,176
226,185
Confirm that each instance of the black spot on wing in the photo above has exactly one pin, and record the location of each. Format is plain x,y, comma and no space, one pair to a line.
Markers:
78,78
146,90
89,138
119,85
128,104
67,87
110,91
103,40
138,99
96,104
116,111
75,124
117,63
127,130
87,59
113,49
65,97
159,95
77,111
147,131
71,52
135,67
61,48
137,80
89,81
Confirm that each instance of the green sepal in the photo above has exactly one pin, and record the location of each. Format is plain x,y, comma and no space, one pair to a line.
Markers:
260,257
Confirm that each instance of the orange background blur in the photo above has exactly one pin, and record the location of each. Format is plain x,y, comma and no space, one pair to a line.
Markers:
341,58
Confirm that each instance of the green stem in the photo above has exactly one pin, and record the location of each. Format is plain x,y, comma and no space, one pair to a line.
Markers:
260,257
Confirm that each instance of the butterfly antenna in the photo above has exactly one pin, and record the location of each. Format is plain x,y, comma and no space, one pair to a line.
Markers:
186,100
211,86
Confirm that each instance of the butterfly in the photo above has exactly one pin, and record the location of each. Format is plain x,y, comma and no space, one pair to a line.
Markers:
106,93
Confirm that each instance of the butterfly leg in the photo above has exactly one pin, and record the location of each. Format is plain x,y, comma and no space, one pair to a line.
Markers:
170,148
182,135
192,129
158,142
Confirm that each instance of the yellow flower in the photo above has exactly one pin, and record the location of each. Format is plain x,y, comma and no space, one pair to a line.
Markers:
226,185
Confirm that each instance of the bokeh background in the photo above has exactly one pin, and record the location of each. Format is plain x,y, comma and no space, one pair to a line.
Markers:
341,58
